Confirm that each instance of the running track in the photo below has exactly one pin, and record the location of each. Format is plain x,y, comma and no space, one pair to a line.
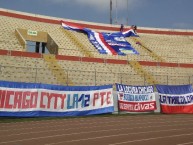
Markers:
122,130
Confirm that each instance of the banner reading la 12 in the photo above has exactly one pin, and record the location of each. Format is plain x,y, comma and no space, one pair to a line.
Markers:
136,98
45,102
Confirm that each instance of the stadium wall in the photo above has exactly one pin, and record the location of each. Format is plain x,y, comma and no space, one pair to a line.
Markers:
100,27
26,16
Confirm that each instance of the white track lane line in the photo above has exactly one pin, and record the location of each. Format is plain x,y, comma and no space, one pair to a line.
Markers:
44,137
121,135
187,143
73,121
95,123
94,118
153,138
93,127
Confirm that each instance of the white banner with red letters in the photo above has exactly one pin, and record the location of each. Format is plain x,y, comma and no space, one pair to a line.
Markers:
67,101
136,98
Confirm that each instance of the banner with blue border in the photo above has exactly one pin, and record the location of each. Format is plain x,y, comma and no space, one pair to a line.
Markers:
136,98
33,99
176,98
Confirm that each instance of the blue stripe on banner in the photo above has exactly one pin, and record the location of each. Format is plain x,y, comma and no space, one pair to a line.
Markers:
57,114
119,44
174,89
108,43
51,87
134,89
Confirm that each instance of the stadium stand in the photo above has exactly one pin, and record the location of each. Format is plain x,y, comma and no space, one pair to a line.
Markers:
165,55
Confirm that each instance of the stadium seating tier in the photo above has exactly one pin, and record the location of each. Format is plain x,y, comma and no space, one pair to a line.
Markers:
153,48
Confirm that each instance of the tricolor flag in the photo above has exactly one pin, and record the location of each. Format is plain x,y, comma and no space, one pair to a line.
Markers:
176,99
106,43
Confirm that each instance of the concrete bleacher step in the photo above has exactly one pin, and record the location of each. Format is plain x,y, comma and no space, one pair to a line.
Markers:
57,70
138,68
150,52
83,49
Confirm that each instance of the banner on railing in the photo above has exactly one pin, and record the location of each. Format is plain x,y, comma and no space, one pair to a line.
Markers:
176,99
136,98
28,100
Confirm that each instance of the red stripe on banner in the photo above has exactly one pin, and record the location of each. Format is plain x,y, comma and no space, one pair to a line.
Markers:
107,45
72,25
177,109
137,106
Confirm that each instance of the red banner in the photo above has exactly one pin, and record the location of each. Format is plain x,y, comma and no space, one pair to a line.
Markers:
177,109
137,106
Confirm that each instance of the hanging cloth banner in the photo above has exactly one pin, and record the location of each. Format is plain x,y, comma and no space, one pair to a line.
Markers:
30,100
176,98
106,43
136,98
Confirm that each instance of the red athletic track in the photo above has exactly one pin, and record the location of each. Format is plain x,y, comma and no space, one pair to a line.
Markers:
123,130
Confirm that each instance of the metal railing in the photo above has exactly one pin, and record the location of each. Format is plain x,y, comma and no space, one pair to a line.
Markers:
80,77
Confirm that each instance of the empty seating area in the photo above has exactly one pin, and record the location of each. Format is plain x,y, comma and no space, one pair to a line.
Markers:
172,48
92,73
171,75
25,69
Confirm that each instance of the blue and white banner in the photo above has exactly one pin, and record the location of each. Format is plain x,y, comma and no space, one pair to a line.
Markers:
176,99
136,98
107,43
29,100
